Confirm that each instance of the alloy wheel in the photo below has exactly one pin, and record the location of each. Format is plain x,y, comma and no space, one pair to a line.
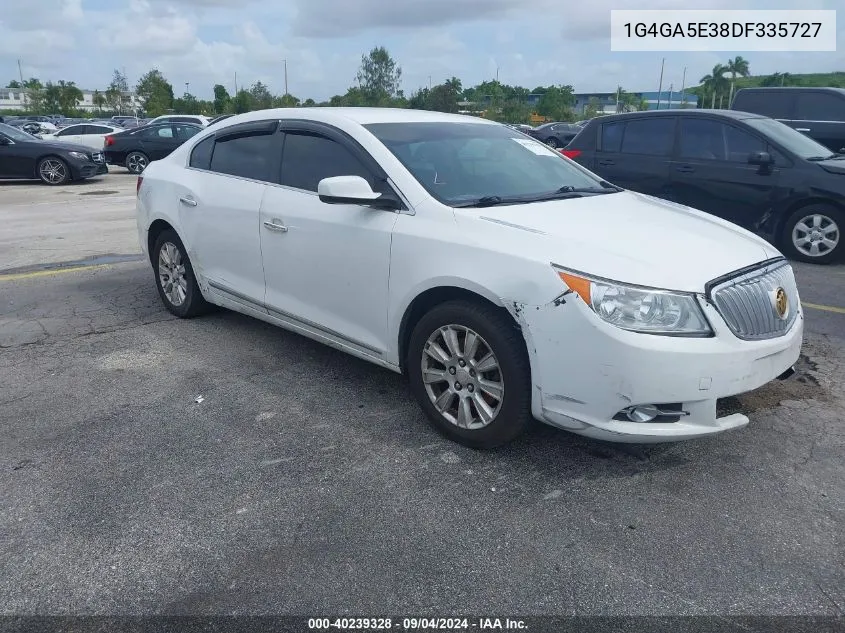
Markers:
136,163
171,273
53,171
815,235
462,377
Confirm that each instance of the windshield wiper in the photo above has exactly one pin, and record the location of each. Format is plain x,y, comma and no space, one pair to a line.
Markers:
486,201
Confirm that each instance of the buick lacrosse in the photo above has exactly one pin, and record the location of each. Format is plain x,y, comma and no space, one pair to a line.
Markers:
503,279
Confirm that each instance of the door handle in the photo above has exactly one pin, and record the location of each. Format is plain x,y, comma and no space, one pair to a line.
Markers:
275,225
187,200
607,162
685,169
802,129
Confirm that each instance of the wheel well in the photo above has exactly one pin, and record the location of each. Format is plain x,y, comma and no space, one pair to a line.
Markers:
425,302
156,229
40,158
800,204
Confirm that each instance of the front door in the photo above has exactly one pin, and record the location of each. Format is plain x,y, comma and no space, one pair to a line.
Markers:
326,266
712,173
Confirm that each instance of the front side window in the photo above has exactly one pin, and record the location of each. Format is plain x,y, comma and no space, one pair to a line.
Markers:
308,158
460,163
793,141
248,155
652,137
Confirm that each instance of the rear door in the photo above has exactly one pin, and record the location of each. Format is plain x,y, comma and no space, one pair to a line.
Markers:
71,134
95,136
156,141
712,173
636,153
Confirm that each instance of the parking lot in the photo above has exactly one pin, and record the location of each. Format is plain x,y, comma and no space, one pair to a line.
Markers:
220,465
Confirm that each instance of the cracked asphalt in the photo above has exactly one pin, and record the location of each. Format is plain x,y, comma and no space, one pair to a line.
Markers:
307,482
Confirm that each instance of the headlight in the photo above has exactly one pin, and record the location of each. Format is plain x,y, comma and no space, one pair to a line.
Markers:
638,309
79,155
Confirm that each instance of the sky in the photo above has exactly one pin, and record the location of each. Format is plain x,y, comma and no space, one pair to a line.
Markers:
204,42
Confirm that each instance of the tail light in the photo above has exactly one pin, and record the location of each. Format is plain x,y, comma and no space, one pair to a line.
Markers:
138,185
109,140
571,153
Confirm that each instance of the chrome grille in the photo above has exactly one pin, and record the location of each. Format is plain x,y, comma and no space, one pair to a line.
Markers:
97,157
748,302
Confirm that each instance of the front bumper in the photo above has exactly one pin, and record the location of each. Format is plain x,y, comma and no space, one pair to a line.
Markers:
586,371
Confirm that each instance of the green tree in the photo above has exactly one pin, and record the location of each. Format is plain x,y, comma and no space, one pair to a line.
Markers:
52,103
592,108
556,103
736,66
444,97
221,99
242,102
379,77
155,93
13,84
99,100
69,97
714,84
286,101
262,98
420,99
309,103
116,91
187,104
34,94
777,79
629,101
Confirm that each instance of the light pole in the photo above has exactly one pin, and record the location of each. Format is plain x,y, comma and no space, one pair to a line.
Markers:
286,76
187,87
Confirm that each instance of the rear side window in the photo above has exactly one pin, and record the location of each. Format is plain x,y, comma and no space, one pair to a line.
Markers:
653,137
249,155
308,158
97,129
775,105
611,136
201,154
819,106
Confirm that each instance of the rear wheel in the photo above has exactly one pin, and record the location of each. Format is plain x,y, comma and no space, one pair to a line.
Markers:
175,279
136,162
468,369
814,234
53,171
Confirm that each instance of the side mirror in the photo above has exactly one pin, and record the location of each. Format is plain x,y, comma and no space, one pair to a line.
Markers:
764,159
352,190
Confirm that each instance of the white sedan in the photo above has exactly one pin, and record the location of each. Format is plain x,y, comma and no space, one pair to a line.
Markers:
92,135
504,279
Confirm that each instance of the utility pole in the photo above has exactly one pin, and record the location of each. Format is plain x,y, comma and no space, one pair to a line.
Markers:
429,82
670,95
497,74
187,87
683,85
660,88
286,76
23,90
236,83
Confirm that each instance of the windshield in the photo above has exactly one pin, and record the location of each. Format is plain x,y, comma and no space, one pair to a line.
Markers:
15,134
461,162
796,142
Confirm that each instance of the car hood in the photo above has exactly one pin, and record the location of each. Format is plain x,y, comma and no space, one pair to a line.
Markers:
70,147
628,237
836,166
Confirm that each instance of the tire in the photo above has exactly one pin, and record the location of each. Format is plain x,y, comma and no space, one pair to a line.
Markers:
170,261
553,142
136,162
53,171
498,334
819,228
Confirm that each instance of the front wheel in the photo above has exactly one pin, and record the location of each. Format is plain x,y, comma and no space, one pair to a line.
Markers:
468,369
136,162
814,234
53,171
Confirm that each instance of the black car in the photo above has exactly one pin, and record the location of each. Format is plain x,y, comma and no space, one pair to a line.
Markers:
748,169
555,134
25,157
817,112
136,148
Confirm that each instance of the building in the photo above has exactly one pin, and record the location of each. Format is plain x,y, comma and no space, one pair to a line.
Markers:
17,99
606,101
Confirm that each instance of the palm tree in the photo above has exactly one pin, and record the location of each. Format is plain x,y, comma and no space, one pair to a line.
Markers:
714,82
736,66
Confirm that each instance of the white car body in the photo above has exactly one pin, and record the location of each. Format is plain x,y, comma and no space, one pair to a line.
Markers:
358,270
199,119
91,135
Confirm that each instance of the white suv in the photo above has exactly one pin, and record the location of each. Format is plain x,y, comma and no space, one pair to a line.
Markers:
504,279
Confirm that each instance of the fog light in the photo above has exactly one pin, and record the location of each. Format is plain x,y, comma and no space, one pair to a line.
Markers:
642,413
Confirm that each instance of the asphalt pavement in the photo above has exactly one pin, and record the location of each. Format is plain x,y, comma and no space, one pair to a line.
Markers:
220,465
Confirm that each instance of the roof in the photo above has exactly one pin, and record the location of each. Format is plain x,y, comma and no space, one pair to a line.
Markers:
729,114
362,116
